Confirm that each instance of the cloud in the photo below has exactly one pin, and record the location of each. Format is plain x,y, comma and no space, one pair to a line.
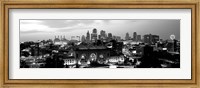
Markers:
52,25
30,27
30,21
30,32
57,23
65,23
73,28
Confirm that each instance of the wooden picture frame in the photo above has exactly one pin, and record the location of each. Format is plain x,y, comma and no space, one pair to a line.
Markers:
4,44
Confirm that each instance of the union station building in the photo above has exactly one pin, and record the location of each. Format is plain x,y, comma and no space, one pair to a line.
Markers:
92,54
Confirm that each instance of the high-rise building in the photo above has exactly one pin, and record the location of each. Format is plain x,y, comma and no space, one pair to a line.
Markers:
102,35
139,38
109,37
114,37
99,37
88,37
151,39
94,30
83,39
116,48
155,38
117,38
147,39
94,35
170,45
102,32
134,36
147,52
127,36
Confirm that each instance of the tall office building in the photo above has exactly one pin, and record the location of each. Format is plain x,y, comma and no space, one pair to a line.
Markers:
117,38
102,35
88,37
94,31
134,36
151,39
155,38
127,36
139,39
83,39
94,35
109,37
99,37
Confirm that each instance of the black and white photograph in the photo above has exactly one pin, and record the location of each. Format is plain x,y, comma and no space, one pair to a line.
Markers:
105,43
99,43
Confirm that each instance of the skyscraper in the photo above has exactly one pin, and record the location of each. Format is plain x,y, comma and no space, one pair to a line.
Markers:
151,39
127,36
94,31
155,38
99,37
109,36
94,35
117,38
102,35
139,38
147,39
88,37
134,36
83,38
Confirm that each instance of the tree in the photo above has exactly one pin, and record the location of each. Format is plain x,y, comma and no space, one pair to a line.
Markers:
25,53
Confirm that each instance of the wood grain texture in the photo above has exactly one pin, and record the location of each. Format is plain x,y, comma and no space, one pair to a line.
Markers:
97,1
198,43
1,41
99,83
1,48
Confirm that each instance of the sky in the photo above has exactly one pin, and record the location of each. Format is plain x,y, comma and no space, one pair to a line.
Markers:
33,30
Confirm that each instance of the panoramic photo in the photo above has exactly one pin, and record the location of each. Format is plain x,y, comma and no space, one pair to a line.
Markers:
99,43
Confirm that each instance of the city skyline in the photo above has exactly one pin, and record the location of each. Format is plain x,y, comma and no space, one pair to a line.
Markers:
100,44
33,30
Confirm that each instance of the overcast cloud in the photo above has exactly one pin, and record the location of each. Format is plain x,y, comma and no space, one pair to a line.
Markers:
33,30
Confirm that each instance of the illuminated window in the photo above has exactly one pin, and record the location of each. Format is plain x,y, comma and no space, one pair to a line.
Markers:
101,56
83,56
93,57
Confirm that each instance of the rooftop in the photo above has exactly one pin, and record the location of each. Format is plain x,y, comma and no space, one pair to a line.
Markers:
84,47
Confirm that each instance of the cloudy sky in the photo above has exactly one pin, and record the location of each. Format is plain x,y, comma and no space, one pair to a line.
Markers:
33,30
